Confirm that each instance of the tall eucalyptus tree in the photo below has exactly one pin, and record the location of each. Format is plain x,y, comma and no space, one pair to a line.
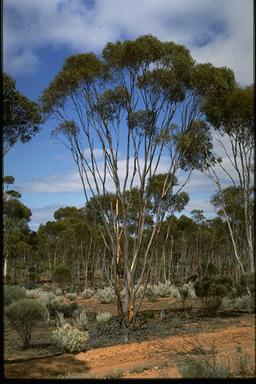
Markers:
139,107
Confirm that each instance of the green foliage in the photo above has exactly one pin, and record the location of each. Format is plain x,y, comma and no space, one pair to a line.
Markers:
12,294
211,290
195,146
69,339
62,275
68,309
23,315
21,116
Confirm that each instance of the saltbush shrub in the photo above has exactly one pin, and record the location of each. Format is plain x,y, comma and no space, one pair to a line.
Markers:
174,292
69,339
12,294
106,295
23,315
81,320
158,290
87,293
211,290
103,317
71,296
245,303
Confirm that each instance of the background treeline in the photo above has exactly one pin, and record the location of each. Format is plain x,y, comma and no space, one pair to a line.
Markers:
183,247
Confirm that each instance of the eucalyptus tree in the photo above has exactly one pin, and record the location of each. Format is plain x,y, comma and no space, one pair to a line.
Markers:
21,116
139,107
232,115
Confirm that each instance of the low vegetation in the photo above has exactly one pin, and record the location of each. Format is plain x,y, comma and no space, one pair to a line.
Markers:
23,315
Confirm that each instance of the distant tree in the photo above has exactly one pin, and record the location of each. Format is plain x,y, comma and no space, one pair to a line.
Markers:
21,117
16,219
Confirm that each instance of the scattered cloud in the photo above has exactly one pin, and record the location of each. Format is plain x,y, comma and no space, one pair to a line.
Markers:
217,31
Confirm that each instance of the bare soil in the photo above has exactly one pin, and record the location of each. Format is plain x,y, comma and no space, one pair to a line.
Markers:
162,332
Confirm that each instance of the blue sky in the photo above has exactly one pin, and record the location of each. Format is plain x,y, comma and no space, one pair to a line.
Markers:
39,35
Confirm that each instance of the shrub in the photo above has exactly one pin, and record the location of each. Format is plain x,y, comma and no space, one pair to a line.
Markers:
184,295
71,296
204,363
52,302
174,292
158,290
23,315
211,290
103,317
58,292
34,293
69,339
12,294
191,290
62,275
115,374
176,322
245,303
106,295
87,293
68,309
81,320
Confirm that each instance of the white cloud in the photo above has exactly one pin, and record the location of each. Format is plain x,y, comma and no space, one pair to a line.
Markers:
227,26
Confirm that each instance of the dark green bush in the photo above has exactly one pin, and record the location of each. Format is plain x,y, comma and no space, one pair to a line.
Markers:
62,275
211,290
68,309
23,315
12,294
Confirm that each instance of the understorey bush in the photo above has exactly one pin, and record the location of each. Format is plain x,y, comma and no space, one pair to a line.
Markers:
87,293
68,338
68,309
103,317
174,292
158,290
71,296
12,294
62,275
184,295
211,290
106,295
52,302
245,303
81,320
23,315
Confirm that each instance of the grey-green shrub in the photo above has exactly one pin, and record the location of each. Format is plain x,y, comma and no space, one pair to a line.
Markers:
81,320
23,315
106,295
12,294
69,339
244,303
103,317
87,293
71,296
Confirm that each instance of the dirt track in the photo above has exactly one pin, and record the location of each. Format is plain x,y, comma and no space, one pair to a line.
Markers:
158,355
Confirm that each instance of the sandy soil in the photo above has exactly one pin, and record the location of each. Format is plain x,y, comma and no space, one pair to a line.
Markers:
148,359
